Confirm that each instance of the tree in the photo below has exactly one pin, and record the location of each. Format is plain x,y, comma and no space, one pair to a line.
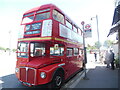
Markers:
1,48
97,45
108,43
89,47
7,49
14,50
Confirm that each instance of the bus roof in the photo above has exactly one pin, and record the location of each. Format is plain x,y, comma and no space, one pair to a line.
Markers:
50,6
42,7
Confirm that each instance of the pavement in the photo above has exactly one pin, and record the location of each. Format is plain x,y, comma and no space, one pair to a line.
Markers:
100,77
97,76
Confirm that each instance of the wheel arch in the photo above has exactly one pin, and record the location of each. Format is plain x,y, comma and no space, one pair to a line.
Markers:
59,69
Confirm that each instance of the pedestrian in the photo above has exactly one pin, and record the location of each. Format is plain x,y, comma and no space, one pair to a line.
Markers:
112,59
95,55
101,57
107,59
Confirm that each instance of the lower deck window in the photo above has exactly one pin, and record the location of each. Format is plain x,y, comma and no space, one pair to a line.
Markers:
57,51
76,51
37,49
69,51
22,49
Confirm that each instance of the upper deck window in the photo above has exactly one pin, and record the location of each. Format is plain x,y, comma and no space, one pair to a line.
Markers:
28,14
75,29
42,16
79,32
27,19
43,10
58,16
68,24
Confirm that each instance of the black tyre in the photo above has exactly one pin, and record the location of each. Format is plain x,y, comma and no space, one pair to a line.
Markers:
58,80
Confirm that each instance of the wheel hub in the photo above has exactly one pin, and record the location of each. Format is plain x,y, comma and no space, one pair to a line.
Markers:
58,80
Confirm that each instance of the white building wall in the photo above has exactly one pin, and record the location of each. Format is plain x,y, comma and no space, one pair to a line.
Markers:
115,49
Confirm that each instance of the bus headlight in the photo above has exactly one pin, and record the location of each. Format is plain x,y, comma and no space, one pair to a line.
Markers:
16,70
43,75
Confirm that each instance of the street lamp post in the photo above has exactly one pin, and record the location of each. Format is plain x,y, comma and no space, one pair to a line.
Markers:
9,42
97,34
85,57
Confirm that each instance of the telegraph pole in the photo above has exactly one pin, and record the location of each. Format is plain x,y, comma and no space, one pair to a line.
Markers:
97,34
9,42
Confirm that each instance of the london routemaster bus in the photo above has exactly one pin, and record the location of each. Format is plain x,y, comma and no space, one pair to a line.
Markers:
51,49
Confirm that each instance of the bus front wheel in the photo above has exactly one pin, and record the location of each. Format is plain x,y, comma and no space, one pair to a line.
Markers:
58,80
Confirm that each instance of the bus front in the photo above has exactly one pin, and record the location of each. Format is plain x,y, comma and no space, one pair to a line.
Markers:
34,64
32,57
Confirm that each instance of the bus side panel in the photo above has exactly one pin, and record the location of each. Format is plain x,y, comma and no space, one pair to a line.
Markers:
55,31
69,66
78,63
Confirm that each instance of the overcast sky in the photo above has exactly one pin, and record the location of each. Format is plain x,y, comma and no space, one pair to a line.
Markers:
78,10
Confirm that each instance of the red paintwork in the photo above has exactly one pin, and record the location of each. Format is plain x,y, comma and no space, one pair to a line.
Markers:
40,62
49,70
43,7
48,64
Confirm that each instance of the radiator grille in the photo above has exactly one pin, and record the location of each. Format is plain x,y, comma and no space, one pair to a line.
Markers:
27,75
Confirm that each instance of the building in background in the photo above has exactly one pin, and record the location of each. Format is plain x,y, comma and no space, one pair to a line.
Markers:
116,27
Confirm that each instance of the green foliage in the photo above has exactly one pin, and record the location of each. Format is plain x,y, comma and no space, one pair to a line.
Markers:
108,43
89,47
96,45
1,48
116,61
14,50
7,49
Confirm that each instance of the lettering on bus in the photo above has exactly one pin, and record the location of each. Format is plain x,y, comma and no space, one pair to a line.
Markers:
33,28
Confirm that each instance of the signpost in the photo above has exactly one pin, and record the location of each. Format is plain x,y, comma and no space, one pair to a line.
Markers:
88,31
85,58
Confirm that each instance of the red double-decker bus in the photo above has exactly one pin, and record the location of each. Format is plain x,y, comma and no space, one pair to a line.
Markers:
51,48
